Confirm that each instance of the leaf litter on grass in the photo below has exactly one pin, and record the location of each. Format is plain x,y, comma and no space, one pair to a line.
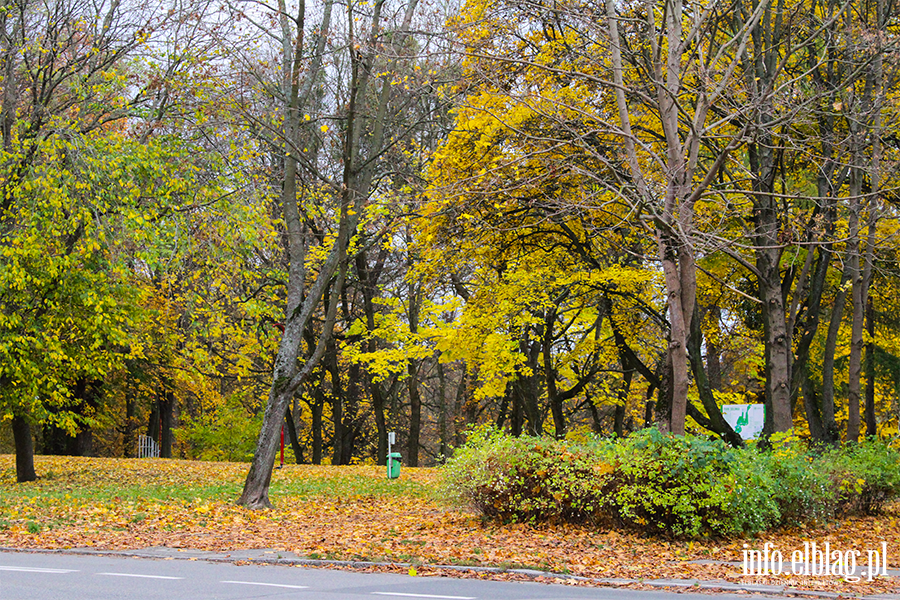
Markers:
356,513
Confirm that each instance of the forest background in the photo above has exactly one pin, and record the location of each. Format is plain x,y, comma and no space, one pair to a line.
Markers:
359,217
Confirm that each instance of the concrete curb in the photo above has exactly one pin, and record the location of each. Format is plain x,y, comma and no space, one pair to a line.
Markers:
259,557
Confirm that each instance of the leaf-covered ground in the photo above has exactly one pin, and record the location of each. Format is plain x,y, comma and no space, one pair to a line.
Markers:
355,513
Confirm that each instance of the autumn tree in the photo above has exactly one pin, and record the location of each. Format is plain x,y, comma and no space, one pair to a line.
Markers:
360,87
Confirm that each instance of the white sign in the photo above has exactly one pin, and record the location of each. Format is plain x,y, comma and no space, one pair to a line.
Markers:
391,439
747,420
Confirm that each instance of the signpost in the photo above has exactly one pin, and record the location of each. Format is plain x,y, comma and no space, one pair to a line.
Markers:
747,420
393,459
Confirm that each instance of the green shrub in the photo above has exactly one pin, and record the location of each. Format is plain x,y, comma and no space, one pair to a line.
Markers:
525,478
687,486
229,433
802,491
751,506
864,476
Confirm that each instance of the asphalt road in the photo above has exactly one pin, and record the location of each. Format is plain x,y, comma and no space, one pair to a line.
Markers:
25,576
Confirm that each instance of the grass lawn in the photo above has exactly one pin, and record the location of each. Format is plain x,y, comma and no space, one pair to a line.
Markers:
355,513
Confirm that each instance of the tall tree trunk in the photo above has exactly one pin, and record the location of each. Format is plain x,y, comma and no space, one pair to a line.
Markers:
337,405
517,417
857,300
316,424
717,422
802,383
832,435
380,422
153,422
24,449
415,414
368,283
875,176
167,416
351,413
713,359
444,448
415,400
777,341
527,389
129,439
292,436
871,423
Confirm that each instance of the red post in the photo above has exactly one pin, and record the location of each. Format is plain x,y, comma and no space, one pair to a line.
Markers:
282,444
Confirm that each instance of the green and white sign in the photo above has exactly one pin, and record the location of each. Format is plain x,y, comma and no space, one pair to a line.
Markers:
746,419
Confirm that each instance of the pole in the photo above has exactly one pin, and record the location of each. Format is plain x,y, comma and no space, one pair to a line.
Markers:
390,442
282,445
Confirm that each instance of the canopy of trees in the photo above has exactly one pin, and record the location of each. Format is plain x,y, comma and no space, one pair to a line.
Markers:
344,218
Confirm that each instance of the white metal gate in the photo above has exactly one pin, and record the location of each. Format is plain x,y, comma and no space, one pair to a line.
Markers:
147,447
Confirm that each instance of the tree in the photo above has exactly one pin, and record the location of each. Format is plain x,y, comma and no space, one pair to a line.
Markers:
372,57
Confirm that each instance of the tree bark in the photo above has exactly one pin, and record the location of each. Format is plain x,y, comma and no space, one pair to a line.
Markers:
24,449
337,405
167,415
717,422
316,424
828,404
415,400
415,414
292,436
871,423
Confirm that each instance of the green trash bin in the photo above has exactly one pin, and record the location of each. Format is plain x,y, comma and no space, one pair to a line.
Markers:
393,465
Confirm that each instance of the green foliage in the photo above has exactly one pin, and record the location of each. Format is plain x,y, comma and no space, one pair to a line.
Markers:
687,486
684,486
526,478
228,433
866,476
800,486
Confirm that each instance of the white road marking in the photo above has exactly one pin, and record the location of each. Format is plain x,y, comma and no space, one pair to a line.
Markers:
278,585
424,596
138,575
37,570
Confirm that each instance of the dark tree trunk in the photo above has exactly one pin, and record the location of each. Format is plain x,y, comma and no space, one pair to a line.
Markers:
415,414
337,405
717,423
316,425
167,414
829,423
24,450
380,422
871,424
526,388
292,436
619,421
350,414
153,423
663,407
812,406
761,70
129,437
442,414
713,359
504,406
517,419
